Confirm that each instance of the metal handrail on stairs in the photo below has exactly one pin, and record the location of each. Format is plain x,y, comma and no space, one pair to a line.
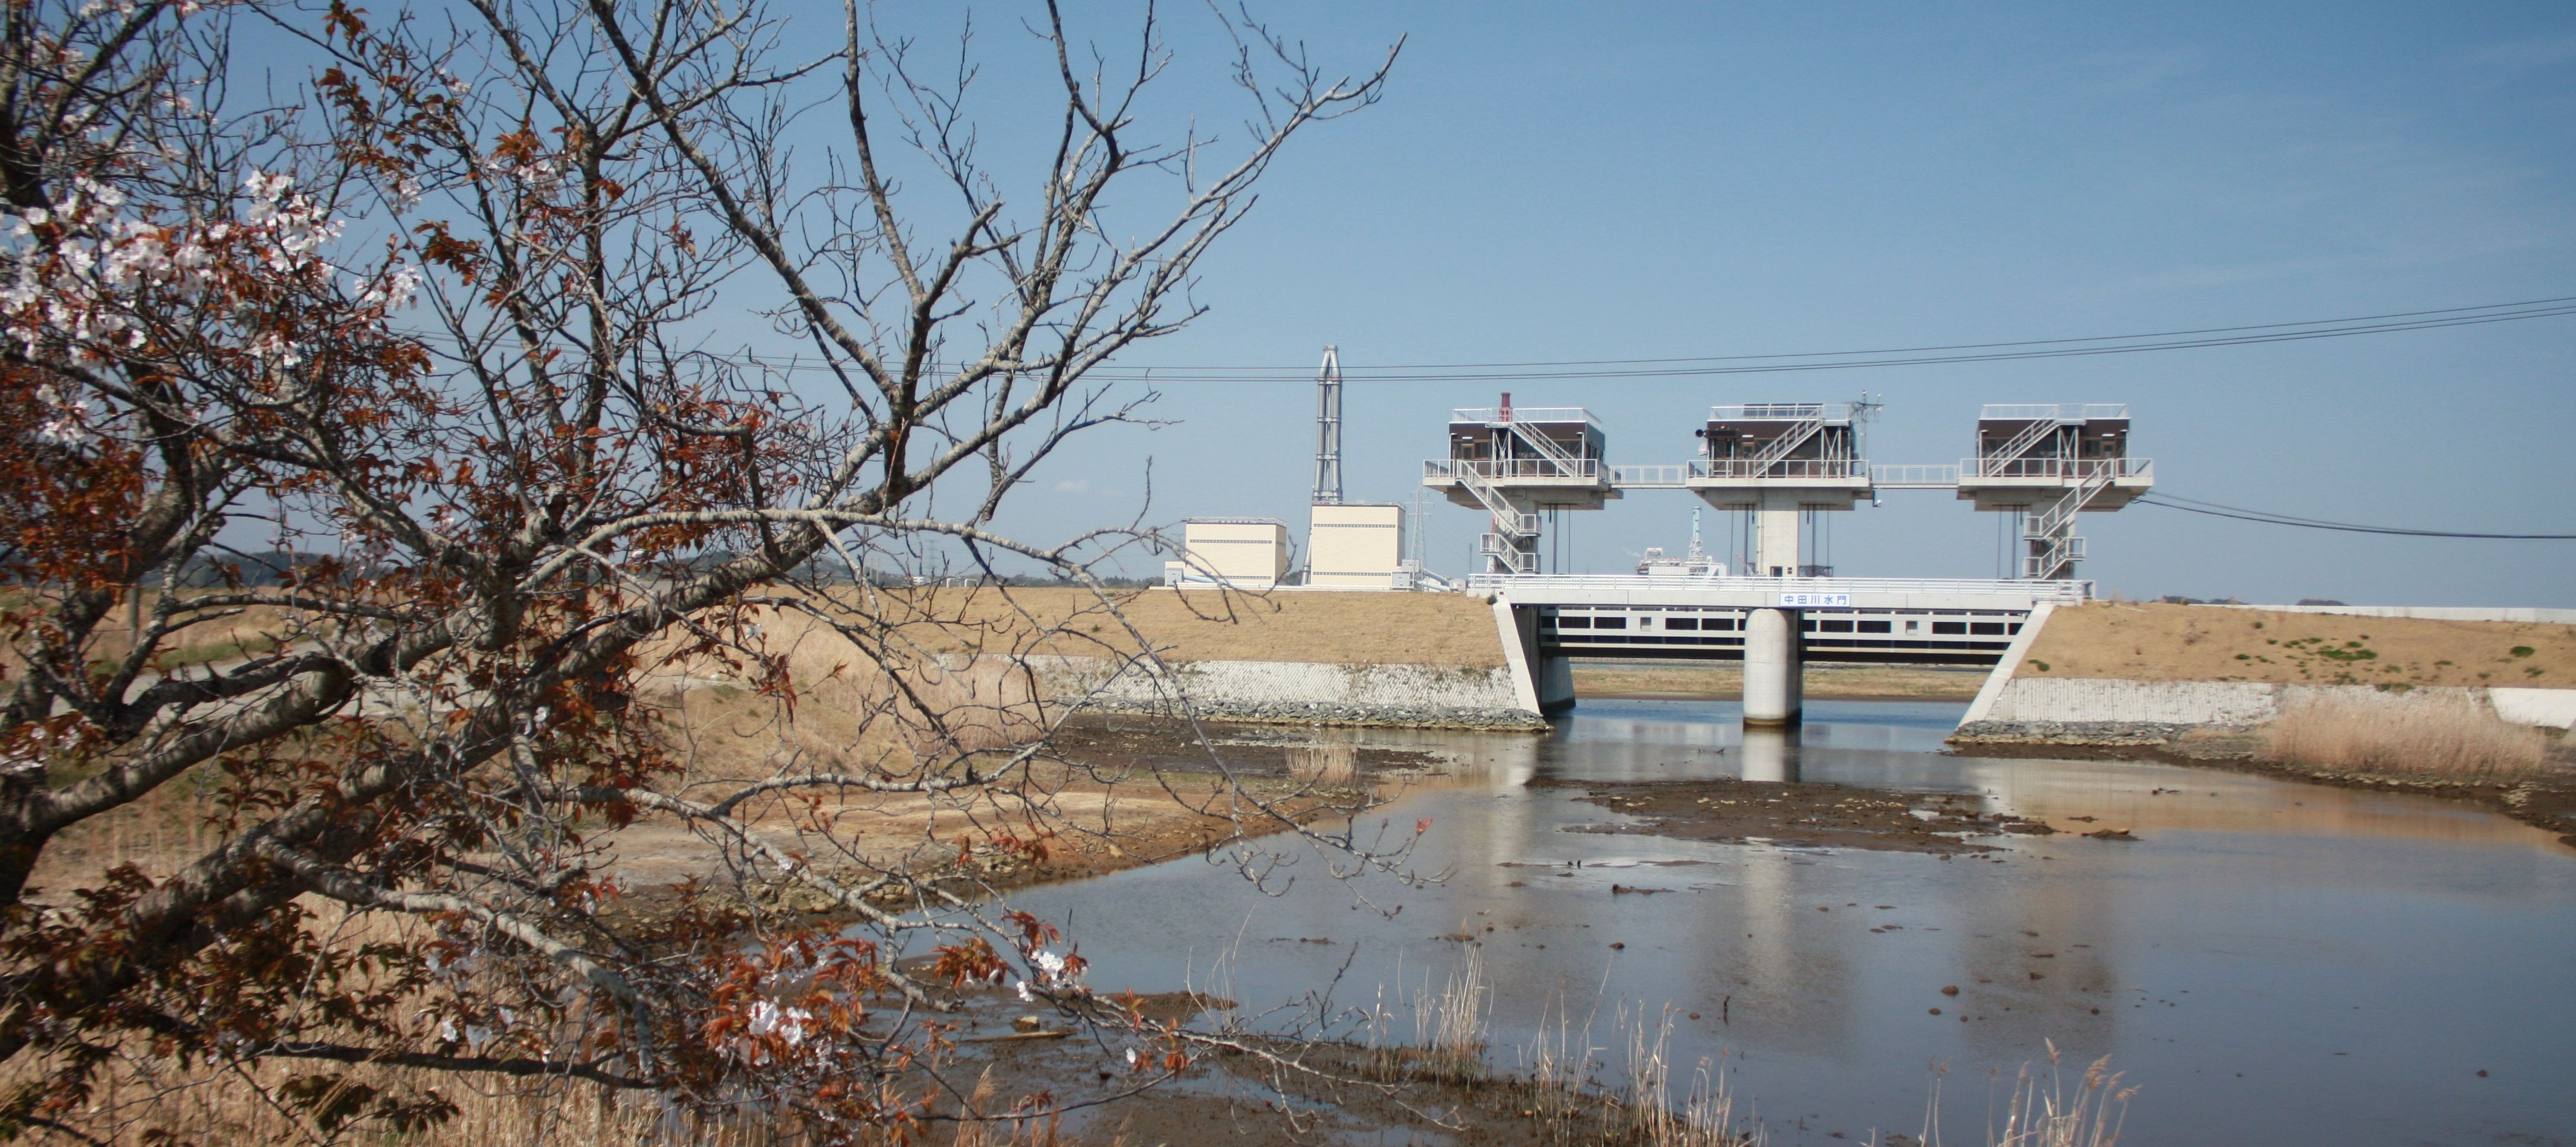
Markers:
2030,435
1780,447
2054,527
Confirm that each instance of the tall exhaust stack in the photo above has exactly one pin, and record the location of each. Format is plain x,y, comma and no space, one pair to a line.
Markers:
1328,430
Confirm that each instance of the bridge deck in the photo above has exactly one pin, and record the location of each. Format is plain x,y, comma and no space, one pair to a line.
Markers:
1917,621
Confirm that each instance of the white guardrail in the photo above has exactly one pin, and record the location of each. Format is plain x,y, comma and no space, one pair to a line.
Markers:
2058,469
1494,415
2062,591
1654,475
1781,412
2068,411
1898,476
1512,469
1782,468
1909,476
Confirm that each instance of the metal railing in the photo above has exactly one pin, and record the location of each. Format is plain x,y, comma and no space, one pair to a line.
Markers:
2058,468
2063,411
1545,446
2021,443
1781,412
2054,555
1509,520
1509,469
1500,550
1493,415
2058,520
1673,476
1782,468
1795,436
2061,591
1909,476
2054,548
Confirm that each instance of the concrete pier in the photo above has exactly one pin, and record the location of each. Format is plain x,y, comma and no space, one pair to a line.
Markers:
1774,661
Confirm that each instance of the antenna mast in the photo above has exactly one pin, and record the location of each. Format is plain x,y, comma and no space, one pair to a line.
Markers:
1328,430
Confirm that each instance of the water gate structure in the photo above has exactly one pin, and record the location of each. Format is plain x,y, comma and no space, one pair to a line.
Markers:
1781,464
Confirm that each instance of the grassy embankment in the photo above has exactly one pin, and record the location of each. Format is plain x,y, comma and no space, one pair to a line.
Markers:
2210,643
1117,795
1357,628
2416,730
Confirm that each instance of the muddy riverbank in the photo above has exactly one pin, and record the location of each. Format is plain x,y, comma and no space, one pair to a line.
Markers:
1792,814
1237,1085
1821,681
1115,792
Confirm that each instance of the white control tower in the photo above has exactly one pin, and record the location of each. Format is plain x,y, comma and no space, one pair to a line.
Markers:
1513,464
2047,462
1780,460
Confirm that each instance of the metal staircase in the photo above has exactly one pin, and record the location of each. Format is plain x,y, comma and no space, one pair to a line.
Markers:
1548,449
1779,448
2050,534
2021,443
1512,546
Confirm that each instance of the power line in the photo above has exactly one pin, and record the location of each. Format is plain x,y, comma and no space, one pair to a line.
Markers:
2561,303
1953,353
1573,370
2268,518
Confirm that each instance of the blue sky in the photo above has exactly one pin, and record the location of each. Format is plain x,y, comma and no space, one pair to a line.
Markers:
1604,182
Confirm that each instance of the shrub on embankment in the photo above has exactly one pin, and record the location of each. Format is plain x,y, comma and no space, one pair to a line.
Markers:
2442,735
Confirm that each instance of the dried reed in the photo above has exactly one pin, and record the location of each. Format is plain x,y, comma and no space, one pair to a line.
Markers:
2045,1115
1706,1117
1449,1025
1331,763
2445,735
1572,1105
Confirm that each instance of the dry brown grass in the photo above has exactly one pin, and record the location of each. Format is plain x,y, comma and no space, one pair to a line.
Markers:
843,717
2442,735
1357,628
2210,643
233,634
222,1108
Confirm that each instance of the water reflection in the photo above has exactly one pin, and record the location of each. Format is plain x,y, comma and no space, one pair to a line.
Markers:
1770,755
2270,960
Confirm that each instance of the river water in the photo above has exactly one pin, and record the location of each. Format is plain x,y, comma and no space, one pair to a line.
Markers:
2269,963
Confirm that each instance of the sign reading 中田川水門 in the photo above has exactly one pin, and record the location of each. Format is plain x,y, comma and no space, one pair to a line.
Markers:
1815,600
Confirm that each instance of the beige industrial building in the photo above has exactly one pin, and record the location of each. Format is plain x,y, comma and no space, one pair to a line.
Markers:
1251,553
1355,545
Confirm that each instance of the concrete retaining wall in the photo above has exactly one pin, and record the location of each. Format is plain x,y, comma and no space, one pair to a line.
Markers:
2106,711
2553,707
1303,692
2162,702
2013,708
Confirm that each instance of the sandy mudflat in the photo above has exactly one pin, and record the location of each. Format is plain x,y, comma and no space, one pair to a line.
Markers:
1725,680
